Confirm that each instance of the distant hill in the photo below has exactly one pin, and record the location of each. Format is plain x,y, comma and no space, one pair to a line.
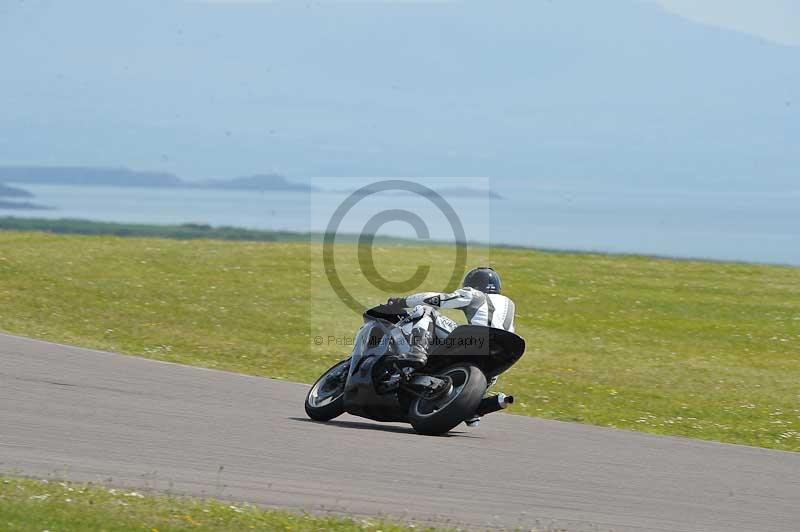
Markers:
124,177
271,182
450,192
466,192
22,205
78,175
13,192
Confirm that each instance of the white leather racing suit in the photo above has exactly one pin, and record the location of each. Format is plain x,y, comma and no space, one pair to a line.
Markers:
424,323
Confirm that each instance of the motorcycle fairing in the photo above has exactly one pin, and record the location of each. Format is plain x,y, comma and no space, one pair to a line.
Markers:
360,396
492,350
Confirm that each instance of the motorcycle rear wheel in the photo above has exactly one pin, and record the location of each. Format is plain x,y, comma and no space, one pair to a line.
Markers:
325,400
438,416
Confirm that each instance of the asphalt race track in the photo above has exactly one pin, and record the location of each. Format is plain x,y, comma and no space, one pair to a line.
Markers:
87,415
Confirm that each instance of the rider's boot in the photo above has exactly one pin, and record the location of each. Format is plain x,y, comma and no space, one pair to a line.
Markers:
474,421
417,357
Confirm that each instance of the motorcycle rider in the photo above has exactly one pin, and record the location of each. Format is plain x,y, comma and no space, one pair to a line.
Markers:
480,298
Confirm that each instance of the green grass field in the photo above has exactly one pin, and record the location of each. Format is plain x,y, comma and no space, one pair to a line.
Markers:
37,505
705,350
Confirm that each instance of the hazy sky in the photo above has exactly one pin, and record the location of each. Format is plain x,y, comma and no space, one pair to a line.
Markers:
774,20
608,91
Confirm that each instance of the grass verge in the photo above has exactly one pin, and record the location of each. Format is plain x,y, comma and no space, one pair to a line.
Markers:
704,350
37,505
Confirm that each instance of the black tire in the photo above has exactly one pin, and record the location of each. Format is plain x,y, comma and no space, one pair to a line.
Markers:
331,407
438,417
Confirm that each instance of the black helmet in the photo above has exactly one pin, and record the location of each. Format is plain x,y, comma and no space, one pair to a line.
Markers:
484,279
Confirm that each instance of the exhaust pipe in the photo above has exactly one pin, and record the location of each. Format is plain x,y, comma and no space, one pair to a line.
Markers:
494,403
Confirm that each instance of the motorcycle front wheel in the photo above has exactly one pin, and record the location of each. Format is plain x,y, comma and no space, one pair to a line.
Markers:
442,414
325,400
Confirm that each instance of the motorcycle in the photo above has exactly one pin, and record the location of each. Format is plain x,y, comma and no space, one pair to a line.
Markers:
449,390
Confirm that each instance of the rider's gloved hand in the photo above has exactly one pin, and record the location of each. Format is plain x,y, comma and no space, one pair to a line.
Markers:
396,302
